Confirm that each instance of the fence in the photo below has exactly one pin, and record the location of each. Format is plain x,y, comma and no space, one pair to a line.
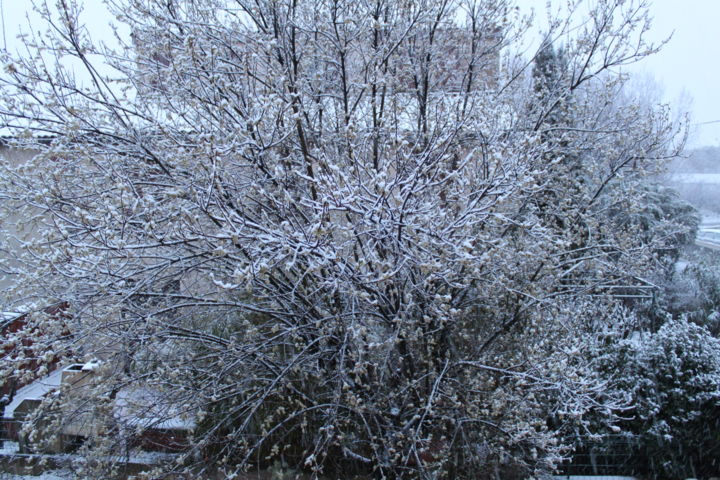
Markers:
607,458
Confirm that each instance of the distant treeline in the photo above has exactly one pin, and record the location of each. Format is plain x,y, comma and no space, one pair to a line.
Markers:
699,160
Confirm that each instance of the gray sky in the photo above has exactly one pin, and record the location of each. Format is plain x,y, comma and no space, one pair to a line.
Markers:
689,64
686,67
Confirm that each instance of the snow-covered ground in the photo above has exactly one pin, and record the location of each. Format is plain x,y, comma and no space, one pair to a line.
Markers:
53,475
708,217
8,448
709,232
709,235
135,457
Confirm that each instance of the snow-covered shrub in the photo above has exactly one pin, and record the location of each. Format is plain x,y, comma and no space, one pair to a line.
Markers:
673,378
694,292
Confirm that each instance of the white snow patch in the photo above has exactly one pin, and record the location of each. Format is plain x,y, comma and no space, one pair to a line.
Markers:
52,475
9,448
709,218
91,366
709,234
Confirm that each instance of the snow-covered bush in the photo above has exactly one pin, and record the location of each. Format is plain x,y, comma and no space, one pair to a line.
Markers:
673,377
695,292
337,233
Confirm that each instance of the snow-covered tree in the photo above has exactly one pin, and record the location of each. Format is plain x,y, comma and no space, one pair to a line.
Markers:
320,228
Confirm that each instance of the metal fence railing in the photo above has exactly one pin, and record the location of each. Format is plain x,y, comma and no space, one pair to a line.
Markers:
609,457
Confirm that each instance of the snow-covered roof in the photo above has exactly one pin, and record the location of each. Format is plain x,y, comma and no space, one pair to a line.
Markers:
7,138
8,317
134,406
147,407
34,391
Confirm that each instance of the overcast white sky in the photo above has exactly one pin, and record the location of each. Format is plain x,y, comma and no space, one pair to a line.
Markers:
690,63
687,66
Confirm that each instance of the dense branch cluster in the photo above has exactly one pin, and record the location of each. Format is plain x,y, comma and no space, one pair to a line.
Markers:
344,235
